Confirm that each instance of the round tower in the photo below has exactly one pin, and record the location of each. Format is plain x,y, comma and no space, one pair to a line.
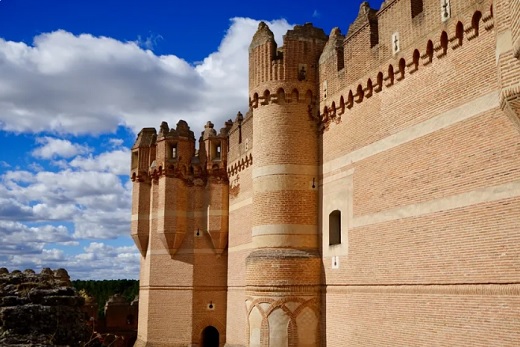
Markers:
284,268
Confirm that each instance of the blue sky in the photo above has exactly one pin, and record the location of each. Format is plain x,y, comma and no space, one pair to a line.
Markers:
79,79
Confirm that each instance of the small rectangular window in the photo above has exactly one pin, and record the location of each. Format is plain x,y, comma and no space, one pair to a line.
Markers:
417,7
217,153
335,227
215,150
174,151
340,58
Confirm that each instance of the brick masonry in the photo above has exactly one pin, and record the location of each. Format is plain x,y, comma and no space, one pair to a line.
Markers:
408,125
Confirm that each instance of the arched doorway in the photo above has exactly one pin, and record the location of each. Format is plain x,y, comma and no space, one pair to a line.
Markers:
210,337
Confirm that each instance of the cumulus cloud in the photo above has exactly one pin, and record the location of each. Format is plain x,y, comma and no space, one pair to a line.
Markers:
15,235
42,209
116,162
115,143
10,209
46,258
51,147
106,261
93,198
85,84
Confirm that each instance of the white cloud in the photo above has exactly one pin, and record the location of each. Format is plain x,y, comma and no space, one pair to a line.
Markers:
47,258
16,233
102,224
85,84
15,177
53,148
97,203
43,211
12,209
115,143
116,162
105,261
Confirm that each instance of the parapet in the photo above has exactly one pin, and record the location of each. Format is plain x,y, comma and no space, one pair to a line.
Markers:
295,61
263,35
367,17
146,138
171,152
305,32
209,130
182,130
401,31
467,26
334,44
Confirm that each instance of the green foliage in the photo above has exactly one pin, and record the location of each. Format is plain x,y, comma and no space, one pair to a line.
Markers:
103,290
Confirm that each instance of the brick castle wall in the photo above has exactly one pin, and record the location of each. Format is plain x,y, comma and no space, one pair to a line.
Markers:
431,215
407,125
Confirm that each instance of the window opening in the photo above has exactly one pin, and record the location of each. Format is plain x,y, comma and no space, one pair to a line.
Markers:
444,42
475,21
217,151
335,227
417,7
429,50
340,58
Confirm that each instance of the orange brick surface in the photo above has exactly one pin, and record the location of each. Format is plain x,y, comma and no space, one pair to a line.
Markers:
419,149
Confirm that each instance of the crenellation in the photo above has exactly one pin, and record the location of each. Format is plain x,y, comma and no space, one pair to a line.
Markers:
267,63
397,69
371,39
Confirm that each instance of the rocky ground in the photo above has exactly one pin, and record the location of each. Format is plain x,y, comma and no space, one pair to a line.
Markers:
40,310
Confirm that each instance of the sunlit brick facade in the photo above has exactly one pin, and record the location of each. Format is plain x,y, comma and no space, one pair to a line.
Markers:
369,197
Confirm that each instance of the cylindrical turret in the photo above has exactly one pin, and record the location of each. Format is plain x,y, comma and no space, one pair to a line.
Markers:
285,195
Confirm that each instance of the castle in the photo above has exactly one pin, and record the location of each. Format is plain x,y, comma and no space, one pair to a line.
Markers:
369,197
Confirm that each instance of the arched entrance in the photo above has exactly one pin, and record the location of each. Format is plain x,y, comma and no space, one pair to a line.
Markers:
210,337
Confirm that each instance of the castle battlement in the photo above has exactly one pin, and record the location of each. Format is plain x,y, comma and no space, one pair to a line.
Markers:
405,62
269,65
